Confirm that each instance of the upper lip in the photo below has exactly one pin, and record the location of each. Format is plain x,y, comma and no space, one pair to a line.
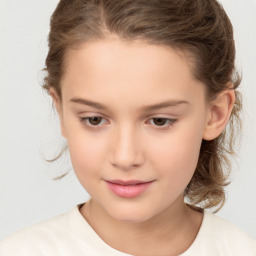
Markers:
128,182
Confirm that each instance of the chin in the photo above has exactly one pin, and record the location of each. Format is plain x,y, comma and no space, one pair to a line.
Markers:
130,214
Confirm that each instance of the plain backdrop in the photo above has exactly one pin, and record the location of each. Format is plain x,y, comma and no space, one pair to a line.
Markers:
29,127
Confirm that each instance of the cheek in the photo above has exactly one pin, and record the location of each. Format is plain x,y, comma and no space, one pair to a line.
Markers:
85,158
178,155
86,153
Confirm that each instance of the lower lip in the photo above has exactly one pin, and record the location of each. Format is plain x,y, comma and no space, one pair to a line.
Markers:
128,191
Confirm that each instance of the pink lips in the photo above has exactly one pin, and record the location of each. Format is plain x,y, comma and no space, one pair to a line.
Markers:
128,189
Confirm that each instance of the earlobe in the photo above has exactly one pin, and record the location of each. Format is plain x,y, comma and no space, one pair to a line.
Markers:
219,114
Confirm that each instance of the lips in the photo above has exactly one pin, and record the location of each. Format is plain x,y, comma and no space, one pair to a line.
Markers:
128,189
126,183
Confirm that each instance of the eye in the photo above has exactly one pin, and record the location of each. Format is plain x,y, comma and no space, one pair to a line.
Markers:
163,123
93,121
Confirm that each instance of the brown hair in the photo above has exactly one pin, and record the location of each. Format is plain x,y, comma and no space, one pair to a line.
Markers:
199,27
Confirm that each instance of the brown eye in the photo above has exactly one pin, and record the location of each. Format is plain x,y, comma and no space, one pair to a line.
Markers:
162,123
95,120
92,121
159,121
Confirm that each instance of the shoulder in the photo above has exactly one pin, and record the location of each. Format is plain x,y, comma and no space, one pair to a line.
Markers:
40,236
66,234
226,230
223,238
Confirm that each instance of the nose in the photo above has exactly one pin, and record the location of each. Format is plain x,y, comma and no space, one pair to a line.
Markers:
126,151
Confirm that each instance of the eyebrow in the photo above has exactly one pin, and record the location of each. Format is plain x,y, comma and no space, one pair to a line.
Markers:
147,108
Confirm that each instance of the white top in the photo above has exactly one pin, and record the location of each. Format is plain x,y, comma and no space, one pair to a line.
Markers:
70,234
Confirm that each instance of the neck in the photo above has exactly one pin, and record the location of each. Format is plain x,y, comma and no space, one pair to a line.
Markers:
172,231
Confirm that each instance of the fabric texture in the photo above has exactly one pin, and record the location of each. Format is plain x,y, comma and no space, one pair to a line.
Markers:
70,234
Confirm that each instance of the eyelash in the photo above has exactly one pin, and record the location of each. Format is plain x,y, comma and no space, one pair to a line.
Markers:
170,120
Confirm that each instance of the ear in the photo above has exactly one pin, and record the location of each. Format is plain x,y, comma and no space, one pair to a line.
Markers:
219,113
58,106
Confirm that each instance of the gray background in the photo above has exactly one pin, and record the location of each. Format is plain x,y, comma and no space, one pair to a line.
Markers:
29,127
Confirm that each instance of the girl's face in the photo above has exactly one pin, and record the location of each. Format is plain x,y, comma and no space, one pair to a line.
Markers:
132,112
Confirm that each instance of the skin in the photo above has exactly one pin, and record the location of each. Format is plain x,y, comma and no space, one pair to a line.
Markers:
128,144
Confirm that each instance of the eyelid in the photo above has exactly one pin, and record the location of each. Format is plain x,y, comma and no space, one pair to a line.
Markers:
86,118
163,127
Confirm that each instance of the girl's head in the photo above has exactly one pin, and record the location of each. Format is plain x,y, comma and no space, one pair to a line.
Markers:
124,56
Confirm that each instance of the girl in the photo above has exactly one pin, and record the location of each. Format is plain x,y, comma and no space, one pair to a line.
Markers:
144,90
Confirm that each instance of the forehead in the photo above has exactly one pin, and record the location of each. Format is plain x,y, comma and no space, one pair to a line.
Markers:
129,55
128,69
